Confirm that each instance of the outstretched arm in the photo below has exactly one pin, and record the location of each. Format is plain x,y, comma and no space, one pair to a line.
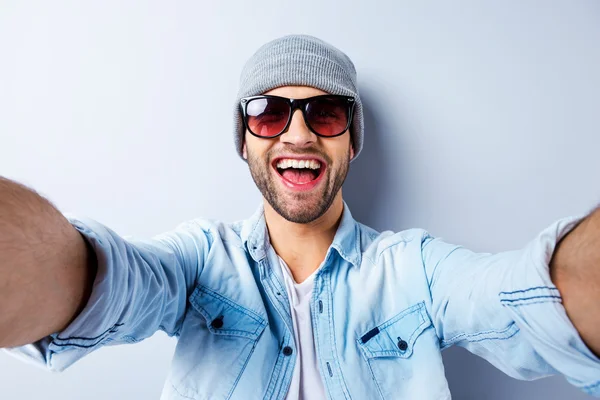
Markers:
506,308
575,270
46,269
52,310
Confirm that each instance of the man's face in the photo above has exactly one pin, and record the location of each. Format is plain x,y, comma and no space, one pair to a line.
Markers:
299,195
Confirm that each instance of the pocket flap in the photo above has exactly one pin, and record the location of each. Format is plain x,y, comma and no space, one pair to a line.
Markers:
396,337
224,317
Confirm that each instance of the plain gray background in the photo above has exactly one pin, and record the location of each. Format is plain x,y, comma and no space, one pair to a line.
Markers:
482,123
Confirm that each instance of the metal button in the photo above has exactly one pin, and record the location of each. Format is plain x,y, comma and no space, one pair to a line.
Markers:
402,345
287,351
217,323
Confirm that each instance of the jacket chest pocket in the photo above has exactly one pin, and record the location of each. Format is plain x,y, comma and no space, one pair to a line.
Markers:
391,347
216,342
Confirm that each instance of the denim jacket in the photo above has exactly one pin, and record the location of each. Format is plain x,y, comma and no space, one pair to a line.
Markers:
384,307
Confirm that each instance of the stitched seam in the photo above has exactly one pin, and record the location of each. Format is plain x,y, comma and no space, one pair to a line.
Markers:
394,319
253,229
530,298
284,370
243,368
313,318
412,337
274,384
378,256
343,254
274,378
417,331
83,346
375,380
226,300
331,324
472,337
411,310
530,303
274,290
318,341
227,332
482,332
408,352
332,335
109,330
504,338
249,313
279,306
530,289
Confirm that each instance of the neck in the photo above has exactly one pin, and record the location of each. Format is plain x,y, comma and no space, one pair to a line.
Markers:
303,247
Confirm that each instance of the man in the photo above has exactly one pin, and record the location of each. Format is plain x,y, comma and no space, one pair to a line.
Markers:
300,301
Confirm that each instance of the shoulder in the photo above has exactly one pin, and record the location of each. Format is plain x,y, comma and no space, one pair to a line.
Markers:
375,245
214,228
205,233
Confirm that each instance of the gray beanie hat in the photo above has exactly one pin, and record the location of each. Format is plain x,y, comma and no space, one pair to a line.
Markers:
299,60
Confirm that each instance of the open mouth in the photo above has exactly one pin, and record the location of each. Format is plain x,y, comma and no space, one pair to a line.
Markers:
301,172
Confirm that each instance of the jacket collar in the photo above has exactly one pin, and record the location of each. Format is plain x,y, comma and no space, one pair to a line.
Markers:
346,241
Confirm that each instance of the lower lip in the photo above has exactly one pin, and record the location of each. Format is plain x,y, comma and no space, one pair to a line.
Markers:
302,187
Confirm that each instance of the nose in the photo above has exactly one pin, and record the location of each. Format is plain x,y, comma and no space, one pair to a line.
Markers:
298,133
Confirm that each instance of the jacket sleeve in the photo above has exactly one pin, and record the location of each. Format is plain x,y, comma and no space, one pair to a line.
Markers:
140,287
505,308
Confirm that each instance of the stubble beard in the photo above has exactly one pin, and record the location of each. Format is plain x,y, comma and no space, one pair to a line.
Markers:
298,207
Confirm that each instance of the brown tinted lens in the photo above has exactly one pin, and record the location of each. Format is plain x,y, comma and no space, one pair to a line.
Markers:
267,117
328,116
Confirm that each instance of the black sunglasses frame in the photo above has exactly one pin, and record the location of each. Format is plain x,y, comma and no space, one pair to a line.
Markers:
297,104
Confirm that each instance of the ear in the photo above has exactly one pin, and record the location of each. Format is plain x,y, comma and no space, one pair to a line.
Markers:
245,152
351,151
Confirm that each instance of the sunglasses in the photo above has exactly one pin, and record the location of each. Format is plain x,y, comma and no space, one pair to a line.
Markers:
270,116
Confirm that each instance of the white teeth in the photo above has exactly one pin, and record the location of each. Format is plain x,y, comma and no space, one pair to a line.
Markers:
291,163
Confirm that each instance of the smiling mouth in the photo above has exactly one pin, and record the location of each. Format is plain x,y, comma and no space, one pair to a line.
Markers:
299,171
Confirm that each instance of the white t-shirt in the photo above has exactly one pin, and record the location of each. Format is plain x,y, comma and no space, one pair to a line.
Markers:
306,381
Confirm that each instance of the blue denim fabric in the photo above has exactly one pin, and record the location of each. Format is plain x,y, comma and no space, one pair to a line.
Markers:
384,307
